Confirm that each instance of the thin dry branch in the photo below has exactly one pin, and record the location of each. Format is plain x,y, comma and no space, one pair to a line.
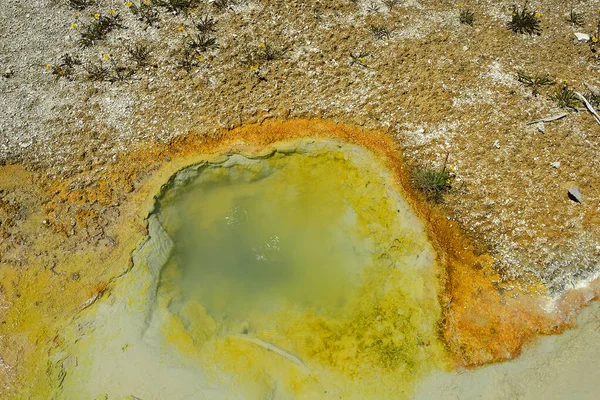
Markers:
548,119
270,347
588,106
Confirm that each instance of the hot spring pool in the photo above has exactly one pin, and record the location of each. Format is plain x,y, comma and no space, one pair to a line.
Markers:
297,273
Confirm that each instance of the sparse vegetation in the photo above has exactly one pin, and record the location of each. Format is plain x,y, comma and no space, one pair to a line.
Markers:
534,81
177,6
206,24
373,7
201,42
359,59
140,53
268,52
433,183
565,97
225,4
81,4
380,32
575,18
145,11
189,59
525,21
466,17
96,71
66,67
390,4
100,26
120,71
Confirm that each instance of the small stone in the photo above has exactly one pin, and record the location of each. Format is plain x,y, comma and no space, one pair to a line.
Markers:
540,127
593,89
582,37
496,144
555,164
575,194
7,73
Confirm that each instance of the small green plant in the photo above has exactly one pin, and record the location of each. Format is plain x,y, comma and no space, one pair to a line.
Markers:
120,71
206,24
200,42
534,81
226,4
525,21
140,53
177,6
565,97
66,67
466,17
380,32
268,52
99,28
390,4
373,7
96,71
359,59
432,182
189,59
81,4
145,11
575,18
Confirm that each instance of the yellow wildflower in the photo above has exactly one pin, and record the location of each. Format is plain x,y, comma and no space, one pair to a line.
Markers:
97,16
254,67
362,60
460,4
538,15
48,66
73,25
595,39
76,15
200,58
112,12
180,29
128,4
262,45
147,2
106,57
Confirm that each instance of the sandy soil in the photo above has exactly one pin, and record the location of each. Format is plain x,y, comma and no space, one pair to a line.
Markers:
77,153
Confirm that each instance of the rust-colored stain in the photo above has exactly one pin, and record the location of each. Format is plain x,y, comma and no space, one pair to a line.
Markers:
99,217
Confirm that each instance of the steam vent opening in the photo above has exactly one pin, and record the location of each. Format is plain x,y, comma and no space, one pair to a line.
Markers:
301,273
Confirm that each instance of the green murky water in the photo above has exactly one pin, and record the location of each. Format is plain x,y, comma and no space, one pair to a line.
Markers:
262,238
303,274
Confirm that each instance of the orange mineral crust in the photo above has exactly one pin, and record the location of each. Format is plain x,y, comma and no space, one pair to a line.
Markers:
91,221
482,323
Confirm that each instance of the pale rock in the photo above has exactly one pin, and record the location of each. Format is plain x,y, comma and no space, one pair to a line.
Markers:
575,194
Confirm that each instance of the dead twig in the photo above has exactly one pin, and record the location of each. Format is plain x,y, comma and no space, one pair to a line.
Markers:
548,119
270,347
589,107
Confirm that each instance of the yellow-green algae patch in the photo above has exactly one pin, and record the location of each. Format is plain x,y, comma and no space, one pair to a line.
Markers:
301,273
